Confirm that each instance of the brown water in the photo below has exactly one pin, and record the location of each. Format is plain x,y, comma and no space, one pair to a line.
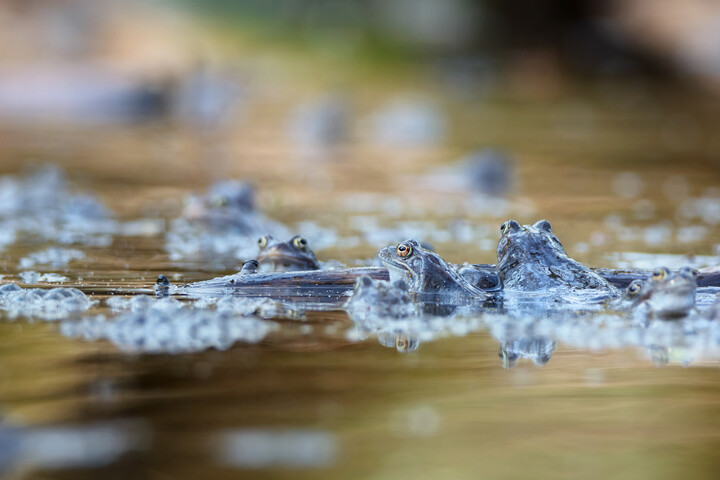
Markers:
354,407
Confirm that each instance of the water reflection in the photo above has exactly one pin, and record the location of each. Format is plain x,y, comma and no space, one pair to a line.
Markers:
68,446
537,349
173,332
256,449
402,342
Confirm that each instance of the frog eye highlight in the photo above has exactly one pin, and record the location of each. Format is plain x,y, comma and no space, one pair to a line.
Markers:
220,201
262,241
404,250
299,242
660,274
634,288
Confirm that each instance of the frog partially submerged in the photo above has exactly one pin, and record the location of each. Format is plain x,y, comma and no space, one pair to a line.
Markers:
221,205
229,206
424,271
531,258
292,255
665,295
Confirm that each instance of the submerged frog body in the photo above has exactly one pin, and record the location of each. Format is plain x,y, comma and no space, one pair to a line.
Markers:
665,294
424,271
480,276
531,258
292,255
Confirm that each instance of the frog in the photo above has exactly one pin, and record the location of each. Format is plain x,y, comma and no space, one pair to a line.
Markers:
482,276
222,204
289,256
531,258
425,271
249,267
229,206
665,295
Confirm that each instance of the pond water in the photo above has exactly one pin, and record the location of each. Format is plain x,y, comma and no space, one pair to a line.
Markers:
134,387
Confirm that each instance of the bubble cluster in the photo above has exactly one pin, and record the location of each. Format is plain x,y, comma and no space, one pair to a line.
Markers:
46,304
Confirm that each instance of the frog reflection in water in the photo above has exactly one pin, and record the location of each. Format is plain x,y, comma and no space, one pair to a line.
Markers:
537,349
376,304
665,295
531,258
399,341
424,271
292,255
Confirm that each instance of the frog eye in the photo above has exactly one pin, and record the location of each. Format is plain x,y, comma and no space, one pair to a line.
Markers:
299,242
689,272
509,226
543,225
404,250
660,274
262,241
634,288
401,343
220,201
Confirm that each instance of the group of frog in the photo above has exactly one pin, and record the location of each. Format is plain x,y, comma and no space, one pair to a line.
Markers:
530,260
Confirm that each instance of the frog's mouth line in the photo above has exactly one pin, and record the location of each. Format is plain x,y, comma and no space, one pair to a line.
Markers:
279,257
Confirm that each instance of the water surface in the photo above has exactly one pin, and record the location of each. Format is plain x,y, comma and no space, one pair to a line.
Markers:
316,396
